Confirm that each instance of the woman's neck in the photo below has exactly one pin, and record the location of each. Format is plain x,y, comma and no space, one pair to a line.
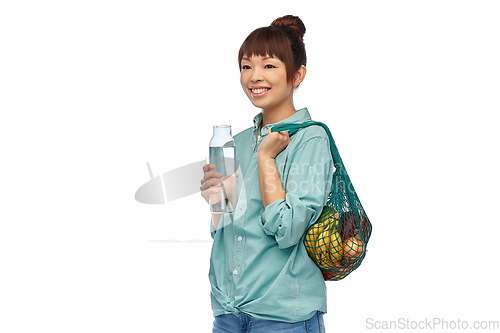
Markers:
272,117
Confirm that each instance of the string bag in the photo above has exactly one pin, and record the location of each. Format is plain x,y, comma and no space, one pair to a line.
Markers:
337,241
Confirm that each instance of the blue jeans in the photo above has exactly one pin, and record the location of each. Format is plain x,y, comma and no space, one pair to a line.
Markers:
243,323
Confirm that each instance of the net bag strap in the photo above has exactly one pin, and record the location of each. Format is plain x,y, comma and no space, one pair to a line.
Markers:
293,128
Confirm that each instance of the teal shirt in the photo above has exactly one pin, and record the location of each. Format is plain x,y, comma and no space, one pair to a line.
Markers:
259,264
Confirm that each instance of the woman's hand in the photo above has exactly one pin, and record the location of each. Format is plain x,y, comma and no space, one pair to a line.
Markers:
273,144
211,184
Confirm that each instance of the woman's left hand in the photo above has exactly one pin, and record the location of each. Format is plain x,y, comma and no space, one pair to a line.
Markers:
273,144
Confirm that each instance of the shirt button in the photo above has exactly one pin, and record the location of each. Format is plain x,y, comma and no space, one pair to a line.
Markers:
249,177
235,272
240,238
241,207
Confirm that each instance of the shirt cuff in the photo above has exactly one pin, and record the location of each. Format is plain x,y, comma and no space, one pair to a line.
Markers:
270,218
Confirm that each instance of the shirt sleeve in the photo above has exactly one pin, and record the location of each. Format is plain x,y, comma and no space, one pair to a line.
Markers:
212,230
225,219
310,172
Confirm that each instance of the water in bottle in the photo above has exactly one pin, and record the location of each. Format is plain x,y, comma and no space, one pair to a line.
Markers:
222,154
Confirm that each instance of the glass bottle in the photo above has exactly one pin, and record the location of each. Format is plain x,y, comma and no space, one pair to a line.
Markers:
222,154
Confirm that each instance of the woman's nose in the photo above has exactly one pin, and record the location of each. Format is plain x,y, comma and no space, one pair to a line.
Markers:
256,76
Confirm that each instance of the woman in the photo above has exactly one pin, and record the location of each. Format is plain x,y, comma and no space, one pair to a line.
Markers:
261,276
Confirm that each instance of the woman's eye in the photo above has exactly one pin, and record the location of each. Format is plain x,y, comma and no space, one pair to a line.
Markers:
269,66
245,67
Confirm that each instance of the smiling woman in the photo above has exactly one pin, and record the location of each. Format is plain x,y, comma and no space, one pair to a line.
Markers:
260,273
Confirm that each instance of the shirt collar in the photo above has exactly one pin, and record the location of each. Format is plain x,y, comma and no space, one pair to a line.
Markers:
299,117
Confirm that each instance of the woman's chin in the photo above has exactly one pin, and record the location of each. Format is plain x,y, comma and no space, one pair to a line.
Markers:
259,105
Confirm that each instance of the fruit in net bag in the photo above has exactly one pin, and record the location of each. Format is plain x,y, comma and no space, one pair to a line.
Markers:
329,248
353,247
349,226
325,220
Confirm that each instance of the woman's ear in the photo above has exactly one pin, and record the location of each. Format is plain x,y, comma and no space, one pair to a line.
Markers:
299,76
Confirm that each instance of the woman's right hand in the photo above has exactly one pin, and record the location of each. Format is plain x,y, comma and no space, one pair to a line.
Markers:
211,184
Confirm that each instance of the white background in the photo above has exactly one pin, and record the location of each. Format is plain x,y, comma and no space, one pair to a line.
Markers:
92,90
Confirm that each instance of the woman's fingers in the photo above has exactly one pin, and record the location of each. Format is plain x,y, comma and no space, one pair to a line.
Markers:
212,194
209,180
208,167
211,183
211,176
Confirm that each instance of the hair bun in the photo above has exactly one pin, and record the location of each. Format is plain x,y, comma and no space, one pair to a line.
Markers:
292,22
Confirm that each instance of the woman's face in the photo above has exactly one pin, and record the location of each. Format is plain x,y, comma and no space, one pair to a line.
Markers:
264,81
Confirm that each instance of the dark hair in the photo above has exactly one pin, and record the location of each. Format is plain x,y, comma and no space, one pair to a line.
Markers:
283,39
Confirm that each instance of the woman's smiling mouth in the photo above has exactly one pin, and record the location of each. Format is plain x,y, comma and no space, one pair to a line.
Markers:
259,91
